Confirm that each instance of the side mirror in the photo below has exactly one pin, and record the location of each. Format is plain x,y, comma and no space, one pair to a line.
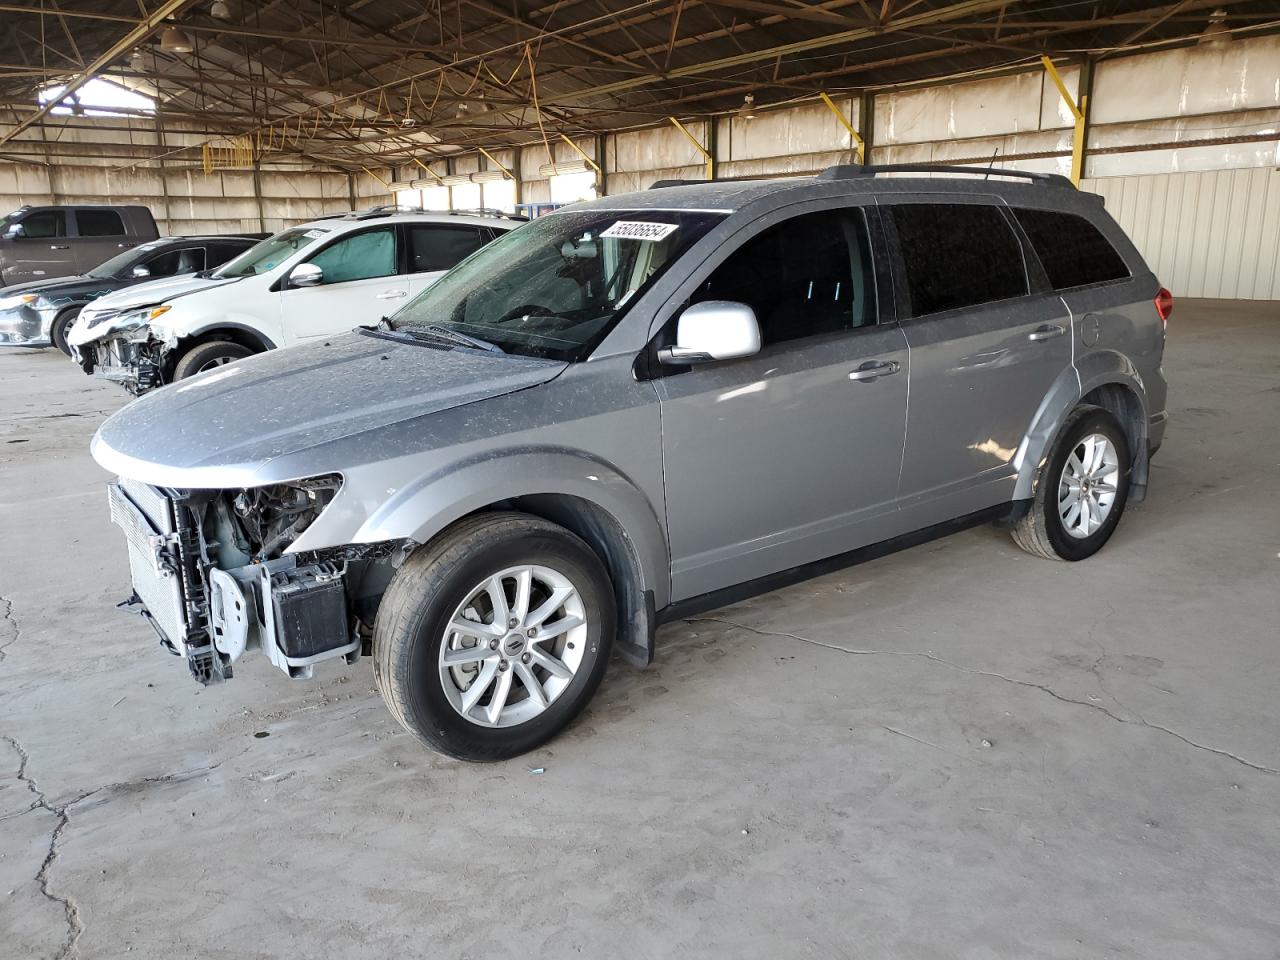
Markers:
713,330
15,232
140,272
306,275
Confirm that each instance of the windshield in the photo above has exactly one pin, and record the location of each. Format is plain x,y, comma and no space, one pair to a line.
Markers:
270,253
120,264
554,287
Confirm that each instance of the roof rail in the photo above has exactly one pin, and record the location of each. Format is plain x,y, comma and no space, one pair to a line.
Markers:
852,171
486,212
660,184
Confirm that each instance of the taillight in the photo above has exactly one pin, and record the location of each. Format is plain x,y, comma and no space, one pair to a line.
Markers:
1164,305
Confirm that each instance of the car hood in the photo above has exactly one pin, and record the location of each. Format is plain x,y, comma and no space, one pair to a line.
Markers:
158,291
224,428
91,325
63,286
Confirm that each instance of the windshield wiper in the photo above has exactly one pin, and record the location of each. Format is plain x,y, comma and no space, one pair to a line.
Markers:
449,335
384,323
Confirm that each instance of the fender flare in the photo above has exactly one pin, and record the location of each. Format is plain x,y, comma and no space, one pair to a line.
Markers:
203,332
1096,369
421,510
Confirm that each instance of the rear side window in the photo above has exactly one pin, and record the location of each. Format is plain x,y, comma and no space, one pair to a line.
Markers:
99,223
957,255
220,253
175,262
1073,251
433,248
44,223
803,277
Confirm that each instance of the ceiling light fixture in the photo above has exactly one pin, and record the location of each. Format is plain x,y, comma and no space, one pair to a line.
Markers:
748,109
220,10
1217,31
137,61
173,40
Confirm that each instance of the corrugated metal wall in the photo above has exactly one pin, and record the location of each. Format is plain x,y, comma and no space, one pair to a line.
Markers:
1214,233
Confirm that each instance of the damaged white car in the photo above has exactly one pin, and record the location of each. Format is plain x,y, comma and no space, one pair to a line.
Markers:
305,283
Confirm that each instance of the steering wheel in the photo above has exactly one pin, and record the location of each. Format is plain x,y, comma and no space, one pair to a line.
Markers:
526,310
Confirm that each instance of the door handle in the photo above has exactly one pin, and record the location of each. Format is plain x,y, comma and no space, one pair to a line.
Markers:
392,294
1046,332
55,246
874,369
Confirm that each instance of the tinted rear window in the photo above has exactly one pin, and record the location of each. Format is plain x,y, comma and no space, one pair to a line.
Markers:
1073,251
957,255
433,248
99,223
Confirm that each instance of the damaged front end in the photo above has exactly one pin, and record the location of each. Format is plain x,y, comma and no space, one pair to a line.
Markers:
122,347
212,575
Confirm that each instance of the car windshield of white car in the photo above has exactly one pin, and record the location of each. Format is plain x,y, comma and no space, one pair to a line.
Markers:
554,287
270,253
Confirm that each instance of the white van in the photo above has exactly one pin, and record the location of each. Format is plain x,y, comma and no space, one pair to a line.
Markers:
304,283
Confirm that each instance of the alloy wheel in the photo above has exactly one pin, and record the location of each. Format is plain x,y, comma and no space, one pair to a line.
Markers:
513,646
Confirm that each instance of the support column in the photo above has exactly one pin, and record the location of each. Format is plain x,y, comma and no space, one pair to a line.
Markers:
602,163
1079,107
867,122
257,195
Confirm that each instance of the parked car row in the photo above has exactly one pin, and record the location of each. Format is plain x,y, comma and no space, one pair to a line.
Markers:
224,298
39,313
619,414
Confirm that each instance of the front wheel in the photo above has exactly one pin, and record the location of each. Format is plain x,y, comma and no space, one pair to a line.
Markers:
491,639
58,329
1081,489
208,356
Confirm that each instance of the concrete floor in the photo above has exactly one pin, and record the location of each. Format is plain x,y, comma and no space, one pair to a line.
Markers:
956,752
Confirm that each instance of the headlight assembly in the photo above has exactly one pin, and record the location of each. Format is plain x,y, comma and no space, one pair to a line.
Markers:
21,300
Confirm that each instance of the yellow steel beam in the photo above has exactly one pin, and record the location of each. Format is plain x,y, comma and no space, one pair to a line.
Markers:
1078,111
390,189
1062,88
496,163
707,158
580,152
857,137
429,170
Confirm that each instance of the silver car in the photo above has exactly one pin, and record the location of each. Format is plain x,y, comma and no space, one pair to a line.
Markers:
637,408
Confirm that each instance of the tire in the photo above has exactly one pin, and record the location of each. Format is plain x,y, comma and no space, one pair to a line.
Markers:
1045,530
435,587
205,356
58,329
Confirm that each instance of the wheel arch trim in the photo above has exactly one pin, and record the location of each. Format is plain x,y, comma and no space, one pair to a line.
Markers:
1088,377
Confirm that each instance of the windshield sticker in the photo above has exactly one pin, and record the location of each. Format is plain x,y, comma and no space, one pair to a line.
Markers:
640,230
315,234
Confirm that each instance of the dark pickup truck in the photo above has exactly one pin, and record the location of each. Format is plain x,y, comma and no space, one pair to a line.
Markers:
38,243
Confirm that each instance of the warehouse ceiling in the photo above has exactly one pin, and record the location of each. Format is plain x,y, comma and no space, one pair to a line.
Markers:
350,82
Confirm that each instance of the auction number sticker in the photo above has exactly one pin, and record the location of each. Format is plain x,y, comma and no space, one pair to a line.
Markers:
640,230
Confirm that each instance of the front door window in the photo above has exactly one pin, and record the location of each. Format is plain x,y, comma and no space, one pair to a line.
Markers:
361,256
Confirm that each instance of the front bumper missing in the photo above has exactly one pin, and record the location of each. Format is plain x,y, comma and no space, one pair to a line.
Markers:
121,361
297,615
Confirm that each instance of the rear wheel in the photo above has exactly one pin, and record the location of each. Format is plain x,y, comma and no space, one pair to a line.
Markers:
490,640
58,329
1081,489
208,356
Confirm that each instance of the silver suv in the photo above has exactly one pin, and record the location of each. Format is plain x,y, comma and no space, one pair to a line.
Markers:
637,408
